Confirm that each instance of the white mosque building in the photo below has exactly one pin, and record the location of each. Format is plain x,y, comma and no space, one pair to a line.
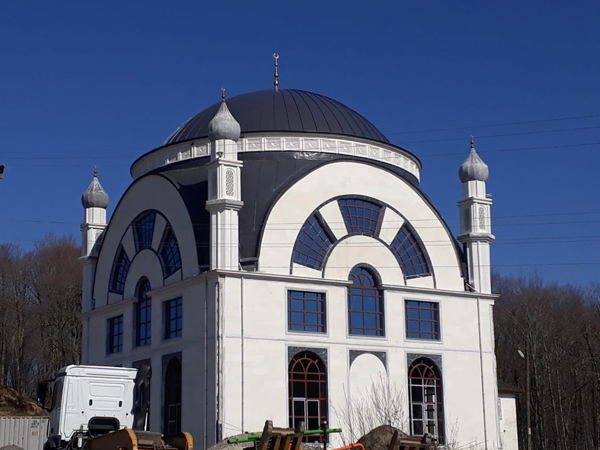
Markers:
275,257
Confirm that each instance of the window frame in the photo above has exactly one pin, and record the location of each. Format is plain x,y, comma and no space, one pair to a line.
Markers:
167,319
138,231
164,248
323,314
114,274
365,231
382,300
174,363
111,349
137,306
439,403
322,381
322,250
406,320
426,264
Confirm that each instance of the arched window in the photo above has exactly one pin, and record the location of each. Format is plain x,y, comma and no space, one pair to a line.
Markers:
172,412
426,401
307,390
360,216
143,231
120,270
143,314
365,304
409,253
312,243
169,252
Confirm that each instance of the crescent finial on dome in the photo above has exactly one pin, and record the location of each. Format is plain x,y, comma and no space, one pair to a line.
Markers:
473,169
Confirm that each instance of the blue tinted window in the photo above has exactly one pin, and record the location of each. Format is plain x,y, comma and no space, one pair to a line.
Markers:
360,216
115,335
422,320
409,254
143,231
365,304
119,271
312,243
169,252
173,315
143,315
306,311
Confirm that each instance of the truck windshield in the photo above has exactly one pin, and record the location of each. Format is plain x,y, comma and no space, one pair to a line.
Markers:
57,394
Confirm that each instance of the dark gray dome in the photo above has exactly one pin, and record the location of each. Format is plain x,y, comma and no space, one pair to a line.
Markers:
95,196
283,110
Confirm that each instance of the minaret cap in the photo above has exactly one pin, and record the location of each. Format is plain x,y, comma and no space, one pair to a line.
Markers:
95,196
473,169
223,125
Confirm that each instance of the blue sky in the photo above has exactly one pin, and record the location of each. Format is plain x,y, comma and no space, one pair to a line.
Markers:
84,83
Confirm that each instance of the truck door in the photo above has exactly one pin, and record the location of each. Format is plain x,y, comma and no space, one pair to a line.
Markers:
55,409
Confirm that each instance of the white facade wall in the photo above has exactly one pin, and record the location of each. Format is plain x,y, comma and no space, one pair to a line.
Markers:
235,343
263,351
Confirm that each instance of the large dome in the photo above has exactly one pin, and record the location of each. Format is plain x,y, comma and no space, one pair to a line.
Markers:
283,110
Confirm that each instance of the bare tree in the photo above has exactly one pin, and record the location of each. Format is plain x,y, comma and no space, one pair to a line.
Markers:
383,402
40,306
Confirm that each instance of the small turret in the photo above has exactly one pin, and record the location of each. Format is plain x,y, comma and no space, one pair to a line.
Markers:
473,169
224,125
476,221
95,196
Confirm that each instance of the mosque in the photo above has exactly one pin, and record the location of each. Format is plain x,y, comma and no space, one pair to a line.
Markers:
276,258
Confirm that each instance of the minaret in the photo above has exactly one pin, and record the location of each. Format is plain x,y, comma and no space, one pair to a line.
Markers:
475,221
224,196
95,202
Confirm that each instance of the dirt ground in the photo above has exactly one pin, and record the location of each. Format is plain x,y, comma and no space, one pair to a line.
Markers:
14,404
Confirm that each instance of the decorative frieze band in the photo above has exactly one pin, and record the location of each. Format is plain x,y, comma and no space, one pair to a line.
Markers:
200,148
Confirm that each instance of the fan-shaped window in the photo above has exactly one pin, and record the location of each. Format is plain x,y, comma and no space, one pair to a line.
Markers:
120,269
409,254
360,216
307,390
365,304
172,412
143,231
312,243
426,401
169,252
143,314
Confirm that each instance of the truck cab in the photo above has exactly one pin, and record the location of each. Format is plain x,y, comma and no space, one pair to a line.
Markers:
89,401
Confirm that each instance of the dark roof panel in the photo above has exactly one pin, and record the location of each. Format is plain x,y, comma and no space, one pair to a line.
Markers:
283,110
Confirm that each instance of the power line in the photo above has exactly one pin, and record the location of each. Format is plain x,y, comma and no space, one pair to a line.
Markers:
522,133
505,124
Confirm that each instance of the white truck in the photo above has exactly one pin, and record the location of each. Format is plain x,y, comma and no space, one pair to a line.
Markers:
101,407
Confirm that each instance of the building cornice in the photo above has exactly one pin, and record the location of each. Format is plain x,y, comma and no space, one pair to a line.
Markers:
283,141
110,307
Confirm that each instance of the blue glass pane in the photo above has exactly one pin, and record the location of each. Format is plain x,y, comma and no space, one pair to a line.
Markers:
413,326
370,321
412,313
425,314
357,319
370,304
